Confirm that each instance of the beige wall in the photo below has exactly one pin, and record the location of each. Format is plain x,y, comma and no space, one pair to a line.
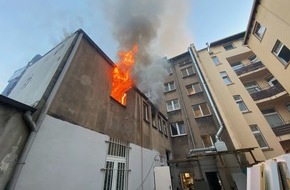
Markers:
275,16
236,122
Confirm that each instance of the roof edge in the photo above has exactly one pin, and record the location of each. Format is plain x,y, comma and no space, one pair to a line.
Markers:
251,18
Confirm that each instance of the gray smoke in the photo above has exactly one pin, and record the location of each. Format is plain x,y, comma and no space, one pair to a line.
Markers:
155,26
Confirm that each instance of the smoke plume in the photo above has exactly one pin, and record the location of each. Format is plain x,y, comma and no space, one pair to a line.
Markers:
158,28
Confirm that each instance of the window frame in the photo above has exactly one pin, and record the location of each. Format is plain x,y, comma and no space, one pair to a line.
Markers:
146,113
226,76
252,85
211,138
159,124
258,131
172,105
192,87
215,60
240,100
237,63
257,27
187,72
229,44
201,111
167,84
280,45
274,112
178,125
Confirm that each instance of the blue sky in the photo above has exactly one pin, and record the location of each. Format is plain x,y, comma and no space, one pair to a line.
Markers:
34,26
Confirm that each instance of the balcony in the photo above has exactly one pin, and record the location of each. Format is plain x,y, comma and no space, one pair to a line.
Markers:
271,92
249,68
282,130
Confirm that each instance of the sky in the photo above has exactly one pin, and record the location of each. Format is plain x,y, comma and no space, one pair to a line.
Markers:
35,26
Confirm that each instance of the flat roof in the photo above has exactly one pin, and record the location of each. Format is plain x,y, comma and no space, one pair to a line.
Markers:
228,39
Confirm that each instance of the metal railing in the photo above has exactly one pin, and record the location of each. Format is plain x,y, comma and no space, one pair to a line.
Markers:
268,92
282,129
248,68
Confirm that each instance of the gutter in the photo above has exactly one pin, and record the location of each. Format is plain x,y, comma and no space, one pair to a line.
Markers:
251,18
215,111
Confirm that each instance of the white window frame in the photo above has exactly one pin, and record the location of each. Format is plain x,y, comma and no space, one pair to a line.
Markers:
145,111
259,31
169,86
215,60
258,132
272,81
160,124
195,88
277,50
253,58
226,78
238,99
164,124
187,71
178,126
171,103
252,87
237,65
201,110
274,112
211,138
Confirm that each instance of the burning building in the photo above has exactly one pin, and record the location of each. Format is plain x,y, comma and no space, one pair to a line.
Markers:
87,135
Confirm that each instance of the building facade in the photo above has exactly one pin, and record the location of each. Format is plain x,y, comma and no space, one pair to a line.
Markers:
84,138
267,36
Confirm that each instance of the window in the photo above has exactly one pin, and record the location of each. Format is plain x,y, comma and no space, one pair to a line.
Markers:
259,137
226,78
229,47
208,140
273,117
116,170
177,129
165,128
185,62
272,81
237,65
259,31
145,112
215,60
169,86
252,87
159,124
169,70
172,105
288,106
282,52
201,110
254,58
240,103
187,71
153,120
193,88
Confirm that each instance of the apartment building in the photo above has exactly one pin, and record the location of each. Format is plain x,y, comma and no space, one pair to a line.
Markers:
83,137
267,36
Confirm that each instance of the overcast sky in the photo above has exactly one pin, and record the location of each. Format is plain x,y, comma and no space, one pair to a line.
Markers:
35,26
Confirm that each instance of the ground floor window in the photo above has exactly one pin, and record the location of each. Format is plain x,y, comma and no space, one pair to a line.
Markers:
116,171
187,180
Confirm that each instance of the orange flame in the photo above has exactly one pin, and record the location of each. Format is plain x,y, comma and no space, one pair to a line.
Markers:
122,80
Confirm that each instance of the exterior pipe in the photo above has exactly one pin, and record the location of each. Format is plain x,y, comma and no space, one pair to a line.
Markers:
221,126
31,124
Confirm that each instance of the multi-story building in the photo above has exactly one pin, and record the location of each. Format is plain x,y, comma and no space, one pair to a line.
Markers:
83,138
267,36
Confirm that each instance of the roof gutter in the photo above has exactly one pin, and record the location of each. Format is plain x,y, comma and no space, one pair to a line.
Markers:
250,24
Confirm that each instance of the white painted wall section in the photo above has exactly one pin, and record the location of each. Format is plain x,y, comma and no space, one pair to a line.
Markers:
64,156
39,75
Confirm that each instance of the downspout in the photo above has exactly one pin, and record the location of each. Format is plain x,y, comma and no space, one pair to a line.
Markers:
32,126
220,123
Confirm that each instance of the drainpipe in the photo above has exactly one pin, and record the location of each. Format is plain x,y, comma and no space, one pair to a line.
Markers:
221,126
32,126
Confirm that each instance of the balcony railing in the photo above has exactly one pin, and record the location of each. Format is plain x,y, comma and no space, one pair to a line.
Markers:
269,92
282,130
248,68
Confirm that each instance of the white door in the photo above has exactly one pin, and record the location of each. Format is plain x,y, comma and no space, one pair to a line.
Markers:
162,178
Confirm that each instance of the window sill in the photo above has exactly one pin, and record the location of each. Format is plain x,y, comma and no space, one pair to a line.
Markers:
188,76
203,116
245,112
267,149
154,126
169,91
218,64
173,110
230,84
194,94
146,121
178,135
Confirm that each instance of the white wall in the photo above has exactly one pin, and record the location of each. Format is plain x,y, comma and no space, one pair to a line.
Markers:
39,75
66,156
